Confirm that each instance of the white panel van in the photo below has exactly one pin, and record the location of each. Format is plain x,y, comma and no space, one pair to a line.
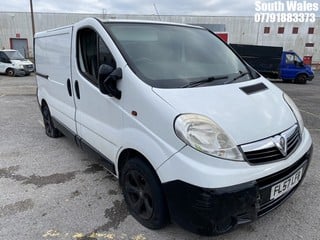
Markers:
13,63
193,133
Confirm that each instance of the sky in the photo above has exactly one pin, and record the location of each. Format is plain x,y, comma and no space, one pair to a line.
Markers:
164,7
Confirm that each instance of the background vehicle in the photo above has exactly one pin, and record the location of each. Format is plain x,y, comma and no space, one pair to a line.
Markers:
13,63
273,62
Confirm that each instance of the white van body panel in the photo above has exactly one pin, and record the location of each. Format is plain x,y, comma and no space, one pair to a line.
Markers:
53,55
148,132
231,108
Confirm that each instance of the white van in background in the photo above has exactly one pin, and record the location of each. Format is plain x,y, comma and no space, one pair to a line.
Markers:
13,63
193,133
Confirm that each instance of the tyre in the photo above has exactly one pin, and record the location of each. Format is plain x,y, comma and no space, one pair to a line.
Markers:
10,72
51,131
143,194
301,79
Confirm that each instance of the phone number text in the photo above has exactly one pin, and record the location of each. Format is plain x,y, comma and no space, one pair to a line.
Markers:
284,17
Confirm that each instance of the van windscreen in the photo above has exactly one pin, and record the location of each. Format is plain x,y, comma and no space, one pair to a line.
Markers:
173,56
14,55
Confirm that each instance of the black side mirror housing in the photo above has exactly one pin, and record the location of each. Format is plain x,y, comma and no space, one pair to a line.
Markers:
107,79
103,72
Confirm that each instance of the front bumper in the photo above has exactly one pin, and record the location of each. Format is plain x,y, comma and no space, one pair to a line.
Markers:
28,68
19,72
208,211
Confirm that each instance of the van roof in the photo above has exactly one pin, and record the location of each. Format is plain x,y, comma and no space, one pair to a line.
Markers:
8,50
145,21
116,21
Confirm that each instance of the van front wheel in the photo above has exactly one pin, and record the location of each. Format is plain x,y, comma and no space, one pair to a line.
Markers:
51,131
10,72
143,194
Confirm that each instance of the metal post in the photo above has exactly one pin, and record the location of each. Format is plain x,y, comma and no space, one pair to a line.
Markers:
32,18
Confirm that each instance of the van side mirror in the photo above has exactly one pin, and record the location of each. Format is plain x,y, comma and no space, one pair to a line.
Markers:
107,79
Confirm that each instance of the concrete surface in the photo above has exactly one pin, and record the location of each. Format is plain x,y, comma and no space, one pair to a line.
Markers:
50,189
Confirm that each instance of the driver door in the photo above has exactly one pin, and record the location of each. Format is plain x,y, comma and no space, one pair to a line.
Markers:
98,116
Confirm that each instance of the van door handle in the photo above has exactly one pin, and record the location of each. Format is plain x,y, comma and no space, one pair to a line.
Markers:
69,87
76,87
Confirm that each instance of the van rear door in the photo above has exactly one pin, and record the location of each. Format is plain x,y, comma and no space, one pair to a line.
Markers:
53,68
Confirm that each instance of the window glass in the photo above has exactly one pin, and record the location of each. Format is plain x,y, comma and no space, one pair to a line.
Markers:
292,59
310,30
172,56
104,55
2,57
266,30
92,52
280,30
14,55
309,44
289,58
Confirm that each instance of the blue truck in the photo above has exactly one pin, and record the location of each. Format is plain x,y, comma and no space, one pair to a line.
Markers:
273,62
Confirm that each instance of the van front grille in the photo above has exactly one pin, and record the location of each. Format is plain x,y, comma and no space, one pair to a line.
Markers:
268,150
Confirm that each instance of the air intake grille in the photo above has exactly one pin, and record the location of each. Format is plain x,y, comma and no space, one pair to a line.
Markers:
271,149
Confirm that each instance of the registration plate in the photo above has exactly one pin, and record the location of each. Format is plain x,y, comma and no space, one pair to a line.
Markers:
286,185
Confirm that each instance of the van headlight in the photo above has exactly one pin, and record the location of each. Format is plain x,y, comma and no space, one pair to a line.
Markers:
206,136
295,111
18,66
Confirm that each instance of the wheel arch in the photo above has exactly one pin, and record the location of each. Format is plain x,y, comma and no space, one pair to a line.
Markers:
302,74
148,146
127,154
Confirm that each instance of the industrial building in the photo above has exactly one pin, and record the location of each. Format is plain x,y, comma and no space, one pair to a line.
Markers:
303,38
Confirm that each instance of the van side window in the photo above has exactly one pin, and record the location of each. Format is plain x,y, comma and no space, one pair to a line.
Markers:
4,58
91,53
289,59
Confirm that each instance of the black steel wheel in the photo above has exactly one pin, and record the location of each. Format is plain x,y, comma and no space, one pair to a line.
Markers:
10,72
51,131
143,194
301,79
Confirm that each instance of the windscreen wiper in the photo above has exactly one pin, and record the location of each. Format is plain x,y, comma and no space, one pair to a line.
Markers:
206,80
242,74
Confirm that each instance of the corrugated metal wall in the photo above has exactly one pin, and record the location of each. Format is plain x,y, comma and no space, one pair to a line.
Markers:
241,29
